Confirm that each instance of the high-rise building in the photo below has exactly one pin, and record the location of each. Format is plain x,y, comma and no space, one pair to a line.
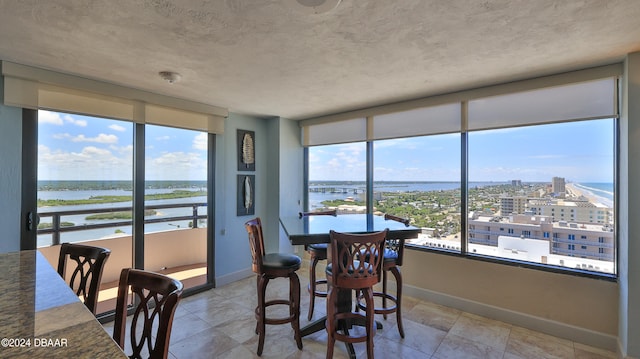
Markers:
558,185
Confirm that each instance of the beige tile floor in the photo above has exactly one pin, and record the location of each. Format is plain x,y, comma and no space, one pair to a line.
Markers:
220,323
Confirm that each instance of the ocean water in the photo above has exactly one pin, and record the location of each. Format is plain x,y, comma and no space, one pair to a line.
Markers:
604,190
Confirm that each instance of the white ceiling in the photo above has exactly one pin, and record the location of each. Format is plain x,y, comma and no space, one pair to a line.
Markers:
269,58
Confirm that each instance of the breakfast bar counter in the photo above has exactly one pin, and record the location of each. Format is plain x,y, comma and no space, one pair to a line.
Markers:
41,317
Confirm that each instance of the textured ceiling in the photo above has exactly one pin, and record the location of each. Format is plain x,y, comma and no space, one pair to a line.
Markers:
269,58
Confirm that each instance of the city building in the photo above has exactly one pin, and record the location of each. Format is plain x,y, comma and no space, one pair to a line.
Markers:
571,211
589,241
558,186
510,205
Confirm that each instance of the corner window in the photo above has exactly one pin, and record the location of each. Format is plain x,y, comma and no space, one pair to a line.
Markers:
516,177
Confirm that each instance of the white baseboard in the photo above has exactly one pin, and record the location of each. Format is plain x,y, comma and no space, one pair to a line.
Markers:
543,325
233,277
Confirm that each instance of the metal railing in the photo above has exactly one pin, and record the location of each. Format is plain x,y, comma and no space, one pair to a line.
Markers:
57,228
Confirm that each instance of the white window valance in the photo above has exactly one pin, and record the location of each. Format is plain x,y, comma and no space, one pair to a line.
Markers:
577,95
34,88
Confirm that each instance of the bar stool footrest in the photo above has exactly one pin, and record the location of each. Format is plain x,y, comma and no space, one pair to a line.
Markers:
273,321
381,310
319,293
348,320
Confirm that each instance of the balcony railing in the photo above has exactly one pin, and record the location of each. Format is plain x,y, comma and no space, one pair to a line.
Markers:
57,228
180,252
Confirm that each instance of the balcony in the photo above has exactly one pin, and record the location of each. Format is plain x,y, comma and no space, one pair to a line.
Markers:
180,251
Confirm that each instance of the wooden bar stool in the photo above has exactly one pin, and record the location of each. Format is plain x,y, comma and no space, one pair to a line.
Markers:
154,297
85,277
393,253
317,252
269,266
347,272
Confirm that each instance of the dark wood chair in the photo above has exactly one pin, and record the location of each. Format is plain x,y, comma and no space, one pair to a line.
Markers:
393,253
347,272
155,298
269,266
85,277
317,252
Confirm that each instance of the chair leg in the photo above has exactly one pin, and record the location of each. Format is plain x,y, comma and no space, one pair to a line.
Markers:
312,285
331,321
396,273
262,288
294,309
258,305
368,296
384,290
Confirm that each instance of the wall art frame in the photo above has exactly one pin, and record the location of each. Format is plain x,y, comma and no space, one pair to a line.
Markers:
246,141
246,198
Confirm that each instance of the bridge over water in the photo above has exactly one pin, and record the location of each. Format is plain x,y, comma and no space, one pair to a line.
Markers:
344,190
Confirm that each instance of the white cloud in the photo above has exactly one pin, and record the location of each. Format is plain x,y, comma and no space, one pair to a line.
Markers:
125,150
72,120
177,166
90,163
200,141
117,128
101,138
49,117
54,118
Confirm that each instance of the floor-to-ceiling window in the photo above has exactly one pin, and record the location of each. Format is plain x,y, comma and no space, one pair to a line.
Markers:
176,203
85,167
86,186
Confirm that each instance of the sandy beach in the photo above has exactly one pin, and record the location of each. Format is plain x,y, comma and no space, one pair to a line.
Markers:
573,191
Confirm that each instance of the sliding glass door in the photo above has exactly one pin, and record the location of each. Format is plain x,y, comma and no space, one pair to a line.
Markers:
175,230
87,177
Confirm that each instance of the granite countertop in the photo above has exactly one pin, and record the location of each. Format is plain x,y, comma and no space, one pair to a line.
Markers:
40,317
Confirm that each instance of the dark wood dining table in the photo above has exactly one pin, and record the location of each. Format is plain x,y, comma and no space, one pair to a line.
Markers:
41,317
315,229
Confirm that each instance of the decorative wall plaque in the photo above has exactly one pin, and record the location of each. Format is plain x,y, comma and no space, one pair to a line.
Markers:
246,150
246,195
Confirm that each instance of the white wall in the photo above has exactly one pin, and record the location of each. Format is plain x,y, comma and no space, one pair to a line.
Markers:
10,175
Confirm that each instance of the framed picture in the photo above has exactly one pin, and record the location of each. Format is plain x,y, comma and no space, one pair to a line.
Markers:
246,195
246,150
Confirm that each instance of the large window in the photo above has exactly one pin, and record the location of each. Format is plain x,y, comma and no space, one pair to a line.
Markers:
86,195
85,171
423,188
524,177
337,178
546,178
176,203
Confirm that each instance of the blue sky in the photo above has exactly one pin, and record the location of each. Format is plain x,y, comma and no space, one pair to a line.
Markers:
74,147
579,152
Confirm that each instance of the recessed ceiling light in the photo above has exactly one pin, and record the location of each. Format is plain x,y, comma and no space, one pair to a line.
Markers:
316,6
169,76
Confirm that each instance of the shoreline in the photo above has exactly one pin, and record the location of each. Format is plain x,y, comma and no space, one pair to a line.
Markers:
573,191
